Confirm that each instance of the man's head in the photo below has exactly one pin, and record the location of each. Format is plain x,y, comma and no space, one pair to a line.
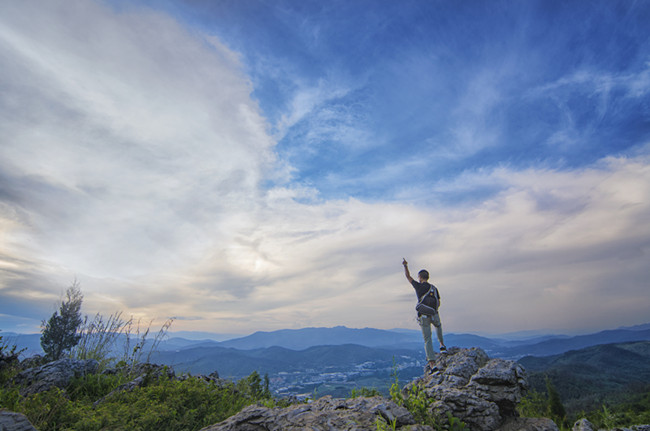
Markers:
424,275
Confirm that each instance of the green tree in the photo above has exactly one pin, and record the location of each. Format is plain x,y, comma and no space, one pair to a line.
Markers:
555,408
59,334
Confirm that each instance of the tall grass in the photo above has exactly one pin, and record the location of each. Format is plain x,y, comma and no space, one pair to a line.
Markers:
102,337
99,337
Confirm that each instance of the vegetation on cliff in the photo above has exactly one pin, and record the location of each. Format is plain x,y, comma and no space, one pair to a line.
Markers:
107,398
161,403
608,384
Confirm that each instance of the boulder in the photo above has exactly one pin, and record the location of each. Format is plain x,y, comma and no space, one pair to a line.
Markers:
12,421
480,391
583,425
142,374
326,413
528,424
54,374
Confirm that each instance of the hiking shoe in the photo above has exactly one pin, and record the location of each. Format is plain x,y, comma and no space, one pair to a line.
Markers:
443,349
431,370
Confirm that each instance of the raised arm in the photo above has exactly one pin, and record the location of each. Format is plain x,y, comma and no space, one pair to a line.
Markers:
406,270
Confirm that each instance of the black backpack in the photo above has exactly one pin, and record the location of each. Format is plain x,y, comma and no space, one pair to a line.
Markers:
432,299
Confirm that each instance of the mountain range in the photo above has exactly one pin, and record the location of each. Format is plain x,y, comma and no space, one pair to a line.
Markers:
236,363
336,360
396,339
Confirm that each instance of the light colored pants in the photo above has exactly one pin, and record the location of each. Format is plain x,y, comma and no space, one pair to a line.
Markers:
425,323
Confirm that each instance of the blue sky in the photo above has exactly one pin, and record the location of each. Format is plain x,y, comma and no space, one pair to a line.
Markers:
259,165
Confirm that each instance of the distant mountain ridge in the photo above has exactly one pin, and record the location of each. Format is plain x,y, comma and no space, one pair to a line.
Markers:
335,360
236,363
301,339
556,346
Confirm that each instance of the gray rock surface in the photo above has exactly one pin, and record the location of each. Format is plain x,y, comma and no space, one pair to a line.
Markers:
480,391
583,425
12,421
142,374
54,374
326,413
528,424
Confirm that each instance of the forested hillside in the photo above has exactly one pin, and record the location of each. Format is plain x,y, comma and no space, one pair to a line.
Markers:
590,378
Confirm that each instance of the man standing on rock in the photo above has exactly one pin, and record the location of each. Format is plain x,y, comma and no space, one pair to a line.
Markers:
428,303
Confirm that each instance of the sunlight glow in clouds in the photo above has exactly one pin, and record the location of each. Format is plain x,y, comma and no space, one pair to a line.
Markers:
135,158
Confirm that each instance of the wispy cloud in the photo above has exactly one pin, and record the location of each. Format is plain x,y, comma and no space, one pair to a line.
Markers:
139,146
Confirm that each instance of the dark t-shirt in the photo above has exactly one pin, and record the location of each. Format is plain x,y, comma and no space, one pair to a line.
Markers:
422,289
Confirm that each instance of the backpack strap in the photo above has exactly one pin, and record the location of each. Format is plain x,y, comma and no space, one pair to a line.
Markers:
432,291
426,294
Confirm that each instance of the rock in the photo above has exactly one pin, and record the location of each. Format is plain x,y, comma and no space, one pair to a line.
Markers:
12,421
54,374
480,391
502,382
583,425
33,362
210,378
528,424
326,413
634,428
144,373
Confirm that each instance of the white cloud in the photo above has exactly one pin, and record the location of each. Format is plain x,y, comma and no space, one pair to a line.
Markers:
130,145
135,160
545,253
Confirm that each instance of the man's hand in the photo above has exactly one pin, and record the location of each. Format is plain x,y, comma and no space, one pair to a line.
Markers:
406,270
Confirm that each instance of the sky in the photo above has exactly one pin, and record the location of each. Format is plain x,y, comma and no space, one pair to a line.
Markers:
254,165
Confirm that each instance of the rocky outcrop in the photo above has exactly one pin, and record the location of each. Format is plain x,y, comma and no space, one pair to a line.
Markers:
54,374
468,385
585,425
60,373
480,391
326,413
11,421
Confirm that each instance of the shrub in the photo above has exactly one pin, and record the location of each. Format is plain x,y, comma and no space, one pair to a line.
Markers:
163,403
419,404
364,392
8,361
